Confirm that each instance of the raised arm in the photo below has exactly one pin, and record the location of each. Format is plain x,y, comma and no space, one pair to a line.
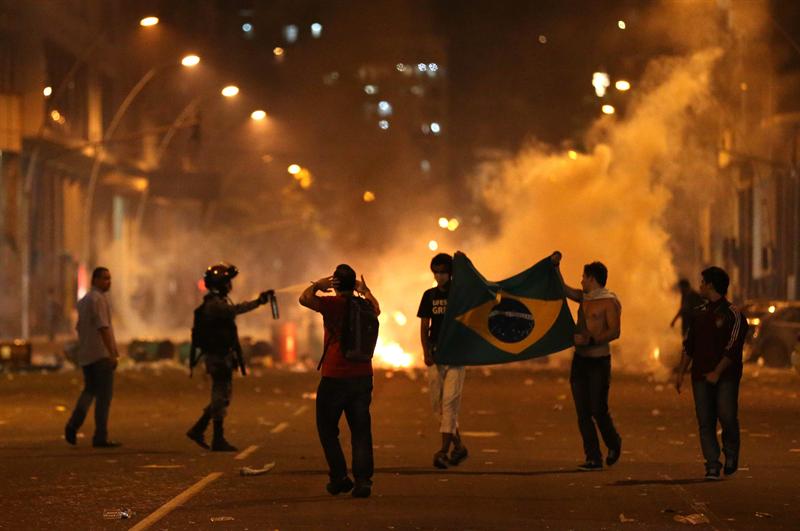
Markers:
361,287
571,293
309,297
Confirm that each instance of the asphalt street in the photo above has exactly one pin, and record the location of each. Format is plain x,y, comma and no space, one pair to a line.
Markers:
518,423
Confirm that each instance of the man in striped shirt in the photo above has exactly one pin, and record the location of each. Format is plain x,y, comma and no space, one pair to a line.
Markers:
713,346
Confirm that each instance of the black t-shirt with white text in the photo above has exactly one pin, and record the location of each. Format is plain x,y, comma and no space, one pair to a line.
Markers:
433,306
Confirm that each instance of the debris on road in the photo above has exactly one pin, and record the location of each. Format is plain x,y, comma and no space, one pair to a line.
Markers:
759,514
250,471
624,519
528,381
310,396
117,514
479,434
163,466
558,407
222,518
61,409
656,412
692,519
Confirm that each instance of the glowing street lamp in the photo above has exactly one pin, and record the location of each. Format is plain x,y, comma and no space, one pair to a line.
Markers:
258,115
443,222
277,51
572,154
621,24
230,91
294,169
48,91
452,224
622,85
433,245
190,60
148,22
608,109
369,197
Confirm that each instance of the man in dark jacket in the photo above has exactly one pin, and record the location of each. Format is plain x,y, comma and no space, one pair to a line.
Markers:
713,347
215,334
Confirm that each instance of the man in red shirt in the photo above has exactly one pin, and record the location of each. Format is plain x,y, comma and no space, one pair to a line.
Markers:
345,386
713,346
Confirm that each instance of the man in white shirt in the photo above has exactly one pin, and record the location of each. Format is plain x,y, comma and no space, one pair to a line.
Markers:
97,355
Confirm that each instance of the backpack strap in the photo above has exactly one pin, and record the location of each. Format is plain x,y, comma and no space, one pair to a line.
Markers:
325,350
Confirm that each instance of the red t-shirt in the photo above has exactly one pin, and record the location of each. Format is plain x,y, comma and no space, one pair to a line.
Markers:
334,365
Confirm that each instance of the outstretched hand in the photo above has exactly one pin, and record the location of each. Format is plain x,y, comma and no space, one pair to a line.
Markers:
265,296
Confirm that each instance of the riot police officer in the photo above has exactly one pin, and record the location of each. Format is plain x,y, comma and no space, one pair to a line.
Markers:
215,336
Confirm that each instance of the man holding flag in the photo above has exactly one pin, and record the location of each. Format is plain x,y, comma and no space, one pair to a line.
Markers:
598,325
446,381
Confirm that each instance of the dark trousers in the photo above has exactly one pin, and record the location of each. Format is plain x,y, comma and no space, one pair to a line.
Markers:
712,403
351,396
220,368
98,379
590,379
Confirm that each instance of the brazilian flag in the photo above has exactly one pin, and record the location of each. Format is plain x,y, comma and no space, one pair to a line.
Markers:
525,316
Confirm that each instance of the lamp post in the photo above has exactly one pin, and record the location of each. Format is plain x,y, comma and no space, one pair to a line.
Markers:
188,61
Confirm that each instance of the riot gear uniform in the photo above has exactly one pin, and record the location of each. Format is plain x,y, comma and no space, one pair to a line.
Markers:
215,337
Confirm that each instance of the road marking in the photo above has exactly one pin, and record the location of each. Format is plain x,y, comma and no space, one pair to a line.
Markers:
300,410
161,466
280,427
480,433
247,451
175,502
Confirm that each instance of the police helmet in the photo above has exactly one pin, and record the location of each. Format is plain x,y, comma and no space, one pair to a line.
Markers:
217,277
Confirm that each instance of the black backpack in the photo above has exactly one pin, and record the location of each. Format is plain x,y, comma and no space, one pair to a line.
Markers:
359,333
359,330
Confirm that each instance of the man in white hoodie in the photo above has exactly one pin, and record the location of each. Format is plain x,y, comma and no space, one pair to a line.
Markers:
598,324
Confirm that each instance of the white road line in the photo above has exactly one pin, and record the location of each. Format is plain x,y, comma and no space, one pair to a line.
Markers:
280,427
247,451
175,502
482,434
300,410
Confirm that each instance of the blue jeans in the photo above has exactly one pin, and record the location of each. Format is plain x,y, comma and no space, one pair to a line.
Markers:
712,403
351,396
98,387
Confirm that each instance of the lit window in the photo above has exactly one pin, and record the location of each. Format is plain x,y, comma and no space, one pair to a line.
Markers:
370,89
384,108
384,124
436,128
316,30
290,33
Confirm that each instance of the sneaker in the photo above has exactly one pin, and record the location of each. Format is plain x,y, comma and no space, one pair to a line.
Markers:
337,487
199,438
613,454
362,490
440,460
70,435
591,466
458,455
712,474
731,466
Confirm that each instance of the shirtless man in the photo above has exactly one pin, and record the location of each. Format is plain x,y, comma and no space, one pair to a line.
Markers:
598,324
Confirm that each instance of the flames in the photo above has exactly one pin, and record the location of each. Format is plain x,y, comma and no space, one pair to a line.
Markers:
389,353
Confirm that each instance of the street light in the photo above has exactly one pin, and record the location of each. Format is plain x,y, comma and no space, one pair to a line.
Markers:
608,109
622,85
148,21
258,115
294,169
443,222
48,91
230,91
190,60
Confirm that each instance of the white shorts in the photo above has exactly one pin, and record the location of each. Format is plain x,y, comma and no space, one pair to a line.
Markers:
446,383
